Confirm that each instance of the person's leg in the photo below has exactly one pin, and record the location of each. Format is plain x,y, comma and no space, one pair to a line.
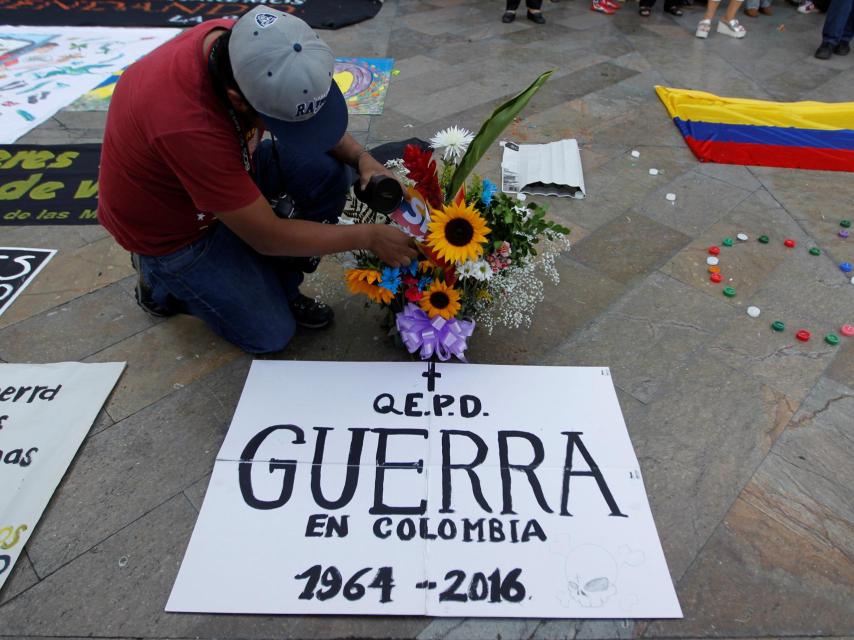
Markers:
711,9
732,10
705,25
835,21
848,31
751,8
510,10
728,25
221,280
535,11
645,7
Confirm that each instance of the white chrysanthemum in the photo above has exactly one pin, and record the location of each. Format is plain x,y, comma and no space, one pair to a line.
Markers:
467,270
454,141
483,270
523,212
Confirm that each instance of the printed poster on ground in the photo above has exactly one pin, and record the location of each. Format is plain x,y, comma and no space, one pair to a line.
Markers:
437,489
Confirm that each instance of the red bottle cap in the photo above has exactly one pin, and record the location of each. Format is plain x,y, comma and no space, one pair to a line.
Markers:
716,277
714,250
847,330
789,242
803,335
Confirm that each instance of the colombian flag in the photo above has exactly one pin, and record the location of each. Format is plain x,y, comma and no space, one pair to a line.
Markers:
798,135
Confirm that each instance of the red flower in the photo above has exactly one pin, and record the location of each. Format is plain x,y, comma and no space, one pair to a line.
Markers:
422,169
413,294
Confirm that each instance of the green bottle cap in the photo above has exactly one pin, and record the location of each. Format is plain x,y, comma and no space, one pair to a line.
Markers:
831,338
815,251
845,223
778,325
729,292
727,242
763,239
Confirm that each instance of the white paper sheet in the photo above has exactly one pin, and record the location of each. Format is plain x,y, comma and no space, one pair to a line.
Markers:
45,412
552,169
43,69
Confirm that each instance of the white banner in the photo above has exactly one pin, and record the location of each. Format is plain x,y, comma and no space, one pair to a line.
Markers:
408,488
45,412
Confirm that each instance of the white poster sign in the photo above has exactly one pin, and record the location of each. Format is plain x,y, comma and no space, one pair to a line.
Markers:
413,488
43,69
45,412
18,267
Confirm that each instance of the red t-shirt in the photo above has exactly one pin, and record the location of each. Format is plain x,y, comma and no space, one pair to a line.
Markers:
171,155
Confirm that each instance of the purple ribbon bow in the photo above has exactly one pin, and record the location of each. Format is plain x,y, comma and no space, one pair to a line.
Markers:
445,338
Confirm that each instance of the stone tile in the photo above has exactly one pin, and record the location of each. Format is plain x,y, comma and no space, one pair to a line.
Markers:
629,247
195,493
73,331
787,539
774,358
69,275
842,368
700,202
226,382
103,421
648,333
22,578
125,471
165,357
699,442
746,265
579,298
733,174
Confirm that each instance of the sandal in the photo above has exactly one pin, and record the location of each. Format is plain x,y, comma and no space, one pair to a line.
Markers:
645,12
703,29
674,11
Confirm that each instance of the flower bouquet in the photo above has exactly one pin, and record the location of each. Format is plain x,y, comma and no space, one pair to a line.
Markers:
478,263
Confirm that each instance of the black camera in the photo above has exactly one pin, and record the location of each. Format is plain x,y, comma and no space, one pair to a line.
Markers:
382,194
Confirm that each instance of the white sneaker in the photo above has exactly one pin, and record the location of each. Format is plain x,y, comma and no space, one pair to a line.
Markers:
731,28
703,29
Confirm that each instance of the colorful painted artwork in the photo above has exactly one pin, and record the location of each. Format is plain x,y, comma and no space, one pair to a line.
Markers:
43,69
364,83
98,99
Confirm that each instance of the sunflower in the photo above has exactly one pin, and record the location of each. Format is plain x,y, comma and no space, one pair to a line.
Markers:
457,233
362,281
440,300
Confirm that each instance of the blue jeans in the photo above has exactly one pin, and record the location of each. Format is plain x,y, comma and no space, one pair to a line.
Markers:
756,4
240,294
839,23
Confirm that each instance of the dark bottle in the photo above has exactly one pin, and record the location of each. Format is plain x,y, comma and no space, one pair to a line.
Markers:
382,194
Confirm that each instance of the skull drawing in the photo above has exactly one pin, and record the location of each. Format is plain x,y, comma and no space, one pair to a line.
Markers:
591,575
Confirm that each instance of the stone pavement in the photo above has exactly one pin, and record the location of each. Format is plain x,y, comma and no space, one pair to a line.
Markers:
745,436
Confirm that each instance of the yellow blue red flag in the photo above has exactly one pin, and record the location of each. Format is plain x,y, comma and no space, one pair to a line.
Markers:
800,135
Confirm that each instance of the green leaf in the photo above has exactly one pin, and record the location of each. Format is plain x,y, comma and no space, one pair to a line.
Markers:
489,132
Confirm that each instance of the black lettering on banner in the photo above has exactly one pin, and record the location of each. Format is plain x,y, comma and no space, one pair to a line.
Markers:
469,406
509,589
527,469
573,440
380,508
384,403
244,469
447,467
5,561
332,583
351,479
321,525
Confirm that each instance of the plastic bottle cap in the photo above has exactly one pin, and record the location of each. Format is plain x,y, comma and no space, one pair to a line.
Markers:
521,197
714,250
847,330
845,223
763,239
778,325
727,242
852,280
742,236
716,277
789,243
714,269
843,233
712,260
846,267
831,338
803,335
753,312
653,172
635,154
815,251
671,197
729,292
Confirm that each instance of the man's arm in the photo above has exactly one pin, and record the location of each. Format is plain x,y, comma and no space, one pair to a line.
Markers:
350,152
261,229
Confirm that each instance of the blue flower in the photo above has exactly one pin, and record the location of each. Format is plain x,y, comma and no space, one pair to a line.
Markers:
390,279
425,282
412,269
489,189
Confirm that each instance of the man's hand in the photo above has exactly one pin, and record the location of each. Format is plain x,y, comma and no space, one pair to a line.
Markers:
391,245
369,166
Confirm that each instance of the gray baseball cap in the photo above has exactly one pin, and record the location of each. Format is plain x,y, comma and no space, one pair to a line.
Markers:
285,72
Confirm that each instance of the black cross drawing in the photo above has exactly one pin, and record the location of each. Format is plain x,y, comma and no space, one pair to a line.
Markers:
431,376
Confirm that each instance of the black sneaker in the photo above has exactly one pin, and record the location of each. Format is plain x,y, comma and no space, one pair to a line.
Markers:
143,294
310,313
842,49
824,51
